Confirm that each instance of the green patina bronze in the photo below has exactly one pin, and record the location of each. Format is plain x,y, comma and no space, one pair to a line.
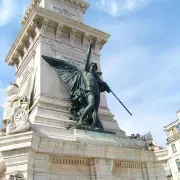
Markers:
86,87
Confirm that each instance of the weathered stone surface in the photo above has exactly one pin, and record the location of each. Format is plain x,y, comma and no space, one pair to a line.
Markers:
65,159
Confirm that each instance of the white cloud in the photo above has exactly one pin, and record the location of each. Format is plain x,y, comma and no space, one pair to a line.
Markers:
121,7
133,5
10,10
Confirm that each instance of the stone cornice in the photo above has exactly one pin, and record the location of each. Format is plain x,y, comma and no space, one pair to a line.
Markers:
72,23
19,38
83,6
41,13
29,10
22,140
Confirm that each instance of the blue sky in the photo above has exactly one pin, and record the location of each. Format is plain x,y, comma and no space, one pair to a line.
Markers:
141,61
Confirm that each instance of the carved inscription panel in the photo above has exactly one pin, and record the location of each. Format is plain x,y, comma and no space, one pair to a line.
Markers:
65,10
70,60
67,55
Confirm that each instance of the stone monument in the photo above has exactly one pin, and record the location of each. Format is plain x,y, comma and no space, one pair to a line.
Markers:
57,124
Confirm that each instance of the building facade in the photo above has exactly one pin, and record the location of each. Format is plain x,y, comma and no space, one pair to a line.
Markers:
172,132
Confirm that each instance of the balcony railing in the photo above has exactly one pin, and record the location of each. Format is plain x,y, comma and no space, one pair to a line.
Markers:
174,137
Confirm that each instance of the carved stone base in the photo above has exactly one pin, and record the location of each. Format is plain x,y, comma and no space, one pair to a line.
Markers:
43,158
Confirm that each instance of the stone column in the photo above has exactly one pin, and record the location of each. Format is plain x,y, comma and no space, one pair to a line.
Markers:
19,161
44,26
97,46
92,170
41,167
151,171
103,169
145,172
72,36
85,41
59,31
2,168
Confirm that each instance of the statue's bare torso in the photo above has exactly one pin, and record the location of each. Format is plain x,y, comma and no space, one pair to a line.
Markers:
90,82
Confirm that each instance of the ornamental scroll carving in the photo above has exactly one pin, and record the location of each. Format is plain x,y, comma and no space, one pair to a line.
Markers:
17,176
150,144
17,108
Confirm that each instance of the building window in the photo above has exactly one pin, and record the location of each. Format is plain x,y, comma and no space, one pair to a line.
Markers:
178,128
178,164
174,148
170,133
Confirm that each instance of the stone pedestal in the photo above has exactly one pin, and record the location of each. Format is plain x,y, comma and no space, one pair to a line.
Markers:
43,158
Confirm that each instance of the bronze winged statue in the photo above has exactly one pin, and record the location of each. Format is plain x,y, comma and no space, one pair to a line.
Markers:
86,87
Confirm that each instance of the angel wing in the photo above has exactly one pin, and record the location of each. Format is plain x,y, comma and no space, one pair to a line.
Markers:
70,74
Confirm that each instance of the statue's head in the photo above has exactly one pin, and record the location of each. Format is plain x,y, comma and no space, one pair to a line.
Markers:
93,67
12,89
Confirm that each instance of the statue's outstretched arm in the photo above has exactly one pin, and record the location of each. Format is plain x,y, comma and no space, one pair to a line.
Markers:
88,57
